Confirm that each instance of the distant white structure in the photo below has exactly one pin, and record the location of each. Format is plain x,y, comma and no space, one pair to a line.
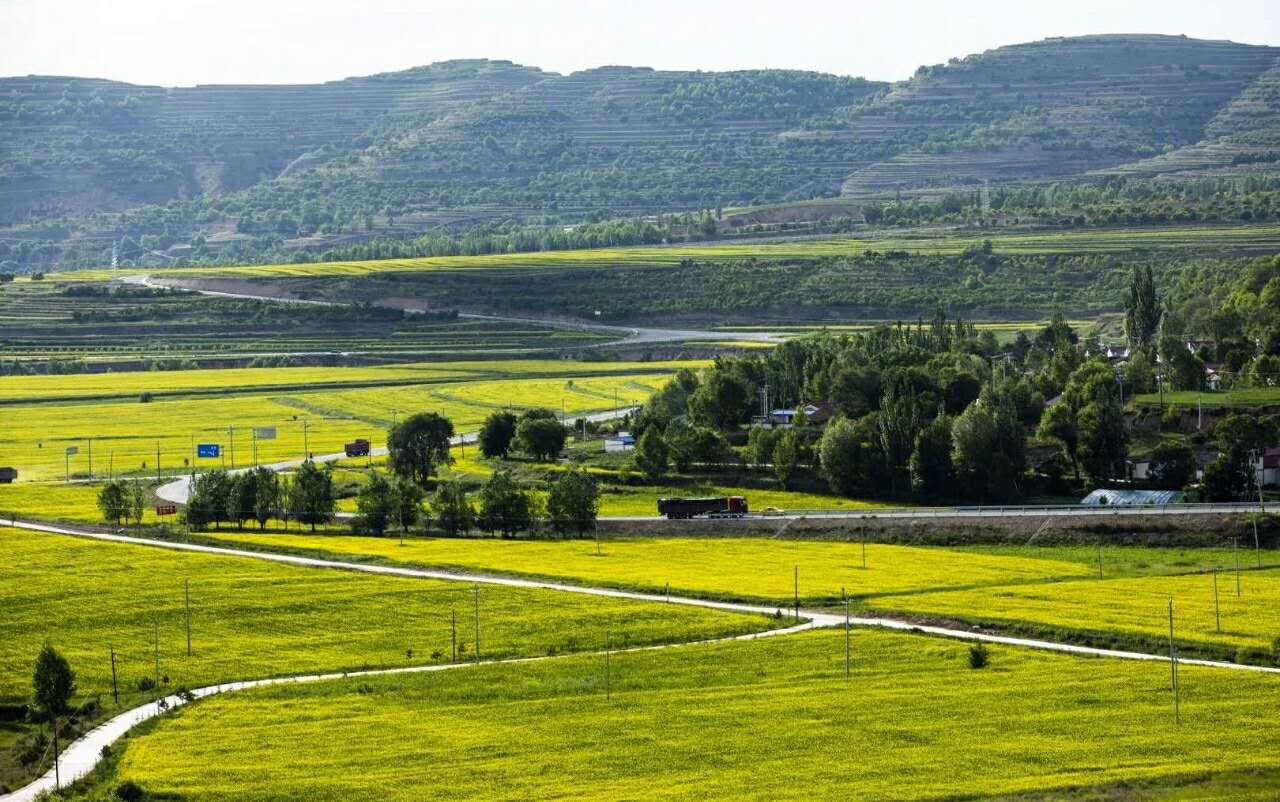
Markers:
622,441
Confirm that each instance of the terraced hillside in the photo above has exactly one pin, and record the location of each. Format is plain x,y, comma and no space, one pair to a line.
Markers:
1058,107
226,174
73,144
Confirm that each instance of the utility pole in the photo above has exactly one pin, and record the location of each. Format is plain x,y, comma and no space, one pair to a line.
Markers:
1217,611
155,623
158,479
846,634
231,435
90,457
115,689
255,446
1235,552
608,672
477,604
1173,669
454,636
306,449
57,776
797,592
1099,559
186,592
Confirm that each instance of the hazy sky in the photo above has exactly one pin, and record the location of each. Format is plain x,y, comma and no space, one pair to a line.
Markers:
182,42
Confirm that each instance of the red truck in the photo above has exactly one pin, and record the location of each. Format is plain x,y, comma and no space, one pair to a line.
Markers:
722,507
359,448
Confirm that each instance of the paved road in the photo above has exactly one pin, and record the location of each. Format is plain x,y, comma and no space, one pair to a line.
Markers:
626,335
83,754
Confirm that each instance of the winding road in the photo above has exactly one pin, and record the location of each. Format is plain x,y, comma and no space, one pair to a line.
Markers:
83,754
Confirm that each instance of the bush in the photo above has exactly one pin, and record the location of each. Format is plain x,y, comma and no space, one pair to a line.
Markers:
979,656
129,791
145,398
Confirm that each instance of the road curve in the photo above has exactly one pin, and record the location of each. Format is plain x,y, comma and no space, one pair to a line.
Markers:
83,754
626,335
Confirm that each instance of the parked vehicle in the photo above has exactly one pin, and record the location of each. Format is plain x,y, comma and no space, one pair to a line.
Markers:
359,448
722,507
7,475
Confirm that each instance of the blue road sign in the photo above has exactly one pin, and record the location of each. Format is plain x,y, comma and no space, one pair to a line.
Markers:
208,450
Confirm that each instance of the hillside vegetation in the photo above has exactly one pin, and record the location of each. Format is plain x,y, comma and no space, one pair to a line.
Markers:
252,173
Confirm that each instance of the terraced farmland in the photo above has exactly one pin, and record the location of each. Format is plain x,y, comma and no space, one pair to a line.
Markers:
127,327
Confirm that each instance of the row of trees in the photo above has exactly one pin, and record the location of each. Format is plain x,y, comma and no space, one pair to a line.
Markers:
571,506
417,448
261,495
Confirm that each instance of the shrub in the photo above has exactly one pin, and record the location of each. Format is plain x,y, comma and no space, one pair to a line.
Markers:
129,791
979,656
145,398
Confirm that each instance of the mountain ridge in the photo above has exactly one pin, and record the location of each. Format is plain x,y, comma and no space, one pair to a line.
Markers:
472,141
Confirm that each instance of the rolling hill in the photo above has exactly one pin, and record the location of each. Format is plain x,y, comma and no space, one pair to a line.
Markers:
243,172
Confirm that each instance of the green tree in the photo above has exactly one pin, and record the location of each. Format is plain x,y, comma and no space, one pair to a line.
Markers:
266,495
418,445
574,503
899,421
1142,308
1172,466
451,510
1104,440
786,455
504,506
651,453
242,498
497,434
1183,369
52,686
311,499
541,438
973,441
1059,423
207,501
374,505
406,503
849,453
760,442
931,473
112,502
136,500
720,401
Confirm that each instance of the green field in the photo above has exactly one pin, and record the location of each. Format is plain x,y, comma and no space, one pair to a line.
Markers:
122,436
767,720
1255,237
1136,607
748,568
1246,397
251,618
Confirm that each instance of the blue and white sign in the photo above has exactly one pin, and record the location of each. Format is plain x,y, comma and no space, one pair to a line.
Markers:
208,450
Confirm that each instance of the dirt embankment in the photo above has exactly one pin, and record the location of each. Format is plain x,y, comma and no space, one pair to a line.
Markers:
1154,530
